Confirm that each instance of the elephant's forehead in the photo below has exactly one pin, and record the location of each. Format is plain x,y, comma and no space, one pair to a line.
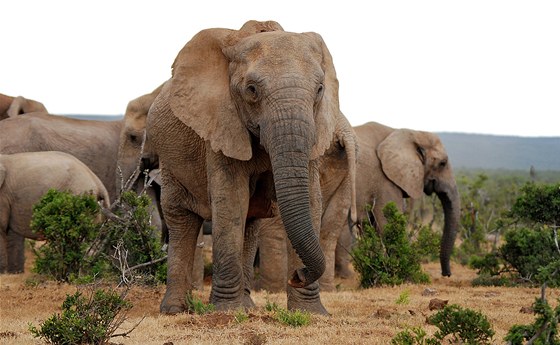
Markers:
280,47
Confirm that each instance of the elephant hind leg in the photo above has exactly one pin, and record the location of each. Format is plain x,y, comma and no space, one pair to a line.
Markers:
16,252
184,227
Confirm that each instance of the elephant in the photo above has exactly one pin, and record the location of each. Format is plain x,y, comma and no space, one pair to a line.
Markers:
95,143
337,179
12,106
239,130
396,164
24,179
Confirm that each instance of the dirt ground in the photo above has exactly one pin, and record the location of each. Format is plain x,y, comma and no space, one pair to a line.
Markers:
358,316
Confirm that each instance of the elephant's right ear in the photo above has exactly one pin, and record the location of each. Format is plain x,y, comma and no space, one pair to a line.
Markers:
400,162
200,96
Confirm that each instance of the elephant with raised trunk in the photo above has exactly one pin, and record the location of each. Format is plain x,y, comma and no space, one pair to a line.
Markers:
239,130
24,179
395,164
13,106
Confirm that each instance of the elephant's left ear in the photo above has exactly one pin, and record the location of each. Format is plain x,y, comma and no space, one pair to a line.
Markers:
328,110
401,162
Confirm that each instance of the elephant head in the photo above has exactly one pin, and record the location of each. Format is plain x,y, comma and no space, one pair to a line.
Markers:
417,162
261,87
135,152
13,106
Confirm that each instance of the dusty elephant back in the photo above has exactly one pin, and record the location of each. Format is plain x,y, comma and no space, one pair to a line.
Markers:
95,143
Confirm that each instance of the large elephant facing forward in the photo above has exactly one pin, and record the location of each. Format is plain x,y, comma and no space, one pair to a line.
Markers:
239,127
12,106
394,164
24,179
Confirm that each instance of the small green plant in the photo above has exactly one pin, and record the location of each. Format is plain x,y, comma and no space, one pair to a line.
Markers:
463,325
240,316
68,224
85,320
413,336
387,259
543,331
404,297
427,244
296,318
196,306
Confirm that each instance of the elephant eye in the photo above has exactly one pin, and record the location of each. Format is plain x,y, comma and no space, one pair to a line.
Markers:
443,163
251,91
422,153
320,90
133,138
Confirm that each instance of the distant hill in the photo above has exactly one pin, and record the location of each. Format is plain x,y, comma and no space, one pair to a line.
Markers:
479,151
475,151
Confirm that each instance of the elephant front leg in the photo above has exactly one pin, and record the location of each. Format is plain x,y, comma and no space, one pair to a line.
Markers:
307,298
229,192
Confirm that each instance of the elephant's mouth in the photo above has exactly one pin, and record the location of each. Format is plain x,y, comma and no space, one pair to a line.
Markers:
429,187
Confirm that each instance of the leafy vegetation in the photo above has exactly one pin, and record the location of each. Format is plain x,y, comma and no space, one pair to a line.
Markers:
543,331
455,324
85,319
387,258
68,223
296,318
79,248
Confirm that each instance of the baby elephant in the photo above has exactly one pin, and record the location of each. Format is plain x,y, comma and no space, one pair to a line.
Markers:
24,179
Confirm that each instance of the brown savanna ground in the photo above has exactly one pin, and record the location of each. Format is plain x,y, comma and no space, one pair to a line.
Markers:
358,316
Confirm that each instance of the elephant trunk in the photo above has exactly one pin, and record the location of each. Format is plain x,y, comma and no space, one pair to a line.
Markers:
451,208
288,140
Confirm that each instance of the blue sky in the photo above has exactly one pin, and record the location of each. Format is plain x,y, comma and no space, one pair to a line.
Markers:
489,67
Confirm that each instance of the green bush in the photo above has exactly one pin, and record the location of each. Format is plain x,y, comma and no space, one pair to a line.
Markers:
137,240
388,259
79,249
68,223
463,325
84,320
427,244
531,252
544,331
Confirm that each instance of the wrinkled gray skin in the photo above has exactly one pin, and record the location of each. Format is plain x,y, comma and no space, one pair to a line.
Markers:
394,164
240,126
13,106
136,152
24,179
337,175
95,143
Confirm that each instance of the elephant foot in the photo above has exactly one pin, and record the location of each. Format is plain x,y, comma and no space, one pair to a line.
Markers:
306,299
248,302
172,305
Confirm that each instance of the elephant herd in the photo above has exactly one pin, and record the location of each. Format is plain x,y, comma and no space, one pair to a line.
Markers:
246,133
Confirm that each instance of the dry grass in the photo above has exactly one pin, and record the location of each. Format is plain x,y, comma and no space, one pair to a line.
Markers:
369,316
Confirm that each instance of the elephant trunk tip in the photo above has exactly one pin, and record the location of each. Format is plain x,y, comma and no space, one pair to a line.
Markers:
445,269
302,277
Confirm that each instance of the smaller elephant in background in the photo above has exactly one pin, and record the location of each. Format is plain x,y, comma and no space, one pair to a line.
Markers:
13,106
24,179
395,164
